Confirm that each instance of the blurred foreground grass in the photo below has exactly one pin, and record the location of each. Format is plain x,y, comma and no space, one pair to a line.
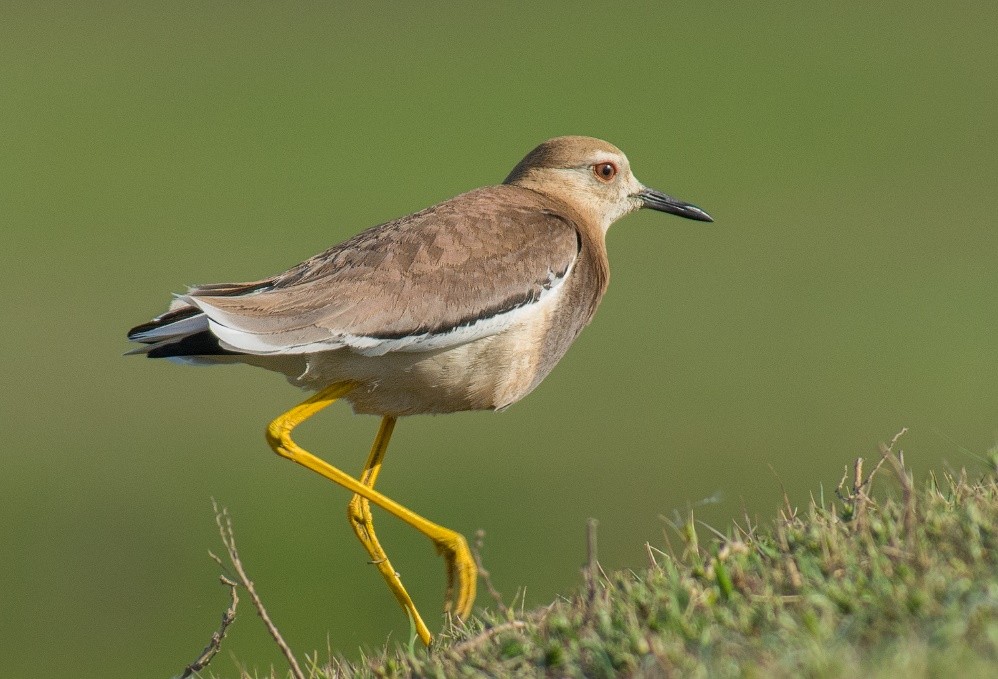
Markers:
903,580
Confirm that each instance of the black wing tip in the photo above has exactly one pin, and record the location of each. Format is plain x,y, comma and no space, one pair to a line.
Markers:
199,344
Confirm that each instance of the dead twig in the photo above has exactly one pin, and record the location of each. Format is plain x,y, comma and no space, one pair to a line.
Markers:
890,446
215,644
228,539
858,496
484,574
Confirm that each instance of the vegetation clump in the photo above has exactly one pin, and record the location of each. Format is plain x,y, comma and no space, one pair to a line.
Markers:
858,585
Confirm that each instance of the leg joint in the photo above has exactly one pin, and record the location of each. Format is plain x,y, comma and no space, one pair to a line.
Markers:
279,438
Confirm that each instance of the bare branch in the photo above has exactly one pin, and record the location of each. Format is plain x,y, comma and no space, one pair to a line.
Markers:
858,497
216,639
228,539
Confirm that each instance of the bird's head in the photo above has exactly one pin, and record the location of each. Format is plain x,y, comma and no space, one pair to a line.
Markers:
594,177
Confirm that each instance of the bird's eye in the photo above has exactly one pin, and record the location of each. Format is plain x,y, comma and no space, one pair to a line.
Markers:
605,172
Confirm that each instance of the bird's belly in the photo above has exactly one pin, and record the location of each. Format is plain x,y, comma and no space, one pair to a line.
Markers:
472,376
485,374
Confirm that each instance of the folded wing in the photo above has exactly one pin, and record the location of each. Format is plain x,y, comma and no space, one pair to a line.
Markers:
434,279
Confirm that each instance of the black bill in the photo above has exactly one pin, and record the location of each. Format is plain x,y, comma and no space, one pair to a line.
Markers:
657,200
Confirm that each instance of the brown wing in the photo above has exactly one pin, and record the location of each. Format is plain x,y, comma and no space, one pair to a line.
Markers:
454,265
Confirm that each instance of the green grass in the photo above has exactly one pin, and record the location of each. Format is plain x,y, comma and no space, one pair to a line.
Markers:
860,583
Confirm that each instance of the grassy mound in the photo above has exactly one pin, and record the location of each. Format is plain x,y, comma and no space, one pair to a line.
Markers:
855,586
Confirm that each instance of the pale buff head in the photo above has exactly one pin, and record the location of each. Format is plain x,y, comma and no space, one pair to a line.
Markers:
595,178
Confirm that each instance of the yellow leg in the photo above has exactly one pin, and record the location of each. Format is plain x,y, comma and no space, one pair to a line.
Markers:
461,570
362,522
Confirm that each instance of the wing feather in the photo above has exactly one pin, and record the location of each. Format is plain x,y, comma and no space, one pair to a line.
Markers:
446,275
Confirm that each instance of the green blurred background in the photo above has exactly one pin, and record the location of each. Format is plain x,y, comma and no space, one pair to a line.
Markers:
847,289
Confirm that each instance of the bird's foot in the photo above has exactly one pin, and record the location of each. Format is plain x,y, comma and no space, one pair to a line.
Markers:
462,575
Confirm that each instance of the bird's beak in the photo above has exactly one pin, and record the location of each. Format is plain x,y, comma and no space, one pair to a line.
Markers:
657,200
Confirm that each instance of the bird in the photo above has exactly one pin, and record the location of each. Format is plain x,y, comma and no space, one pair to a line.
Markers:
465,305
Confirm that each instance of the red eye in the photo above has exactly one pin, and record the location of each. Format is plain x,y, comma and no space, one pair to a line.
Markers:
605,172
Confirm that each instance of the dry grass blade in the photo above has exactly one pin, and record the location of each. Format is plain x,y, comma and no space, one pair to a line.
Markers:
592,561
896,460
484,574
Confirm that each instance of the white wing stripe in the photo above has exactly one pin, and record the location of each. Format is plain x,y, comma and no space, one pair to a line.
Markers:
181,328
